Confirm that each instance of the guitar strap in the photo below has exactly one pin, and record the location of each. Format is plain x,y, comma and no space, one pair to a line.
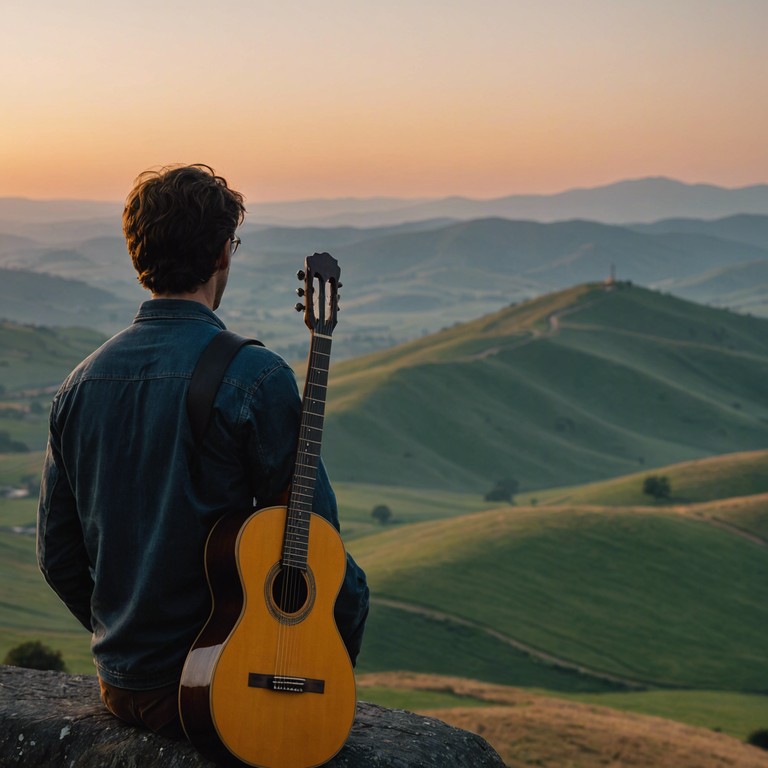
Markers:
207,377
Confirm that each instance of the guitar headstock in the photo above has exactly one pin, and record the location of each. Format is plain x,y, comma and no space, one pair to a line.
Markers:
321,292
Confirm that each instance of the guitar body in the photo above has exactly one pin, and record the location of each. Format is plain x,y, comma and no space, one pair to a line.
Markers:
268,682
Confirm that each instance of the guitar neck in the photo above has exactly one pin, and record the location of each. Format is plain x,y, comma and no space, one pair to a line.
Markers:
296,541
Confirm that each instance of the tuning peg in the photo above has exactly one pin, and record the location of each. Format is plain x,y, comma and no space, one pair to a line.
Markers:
299,291
340,285
300,307
301,274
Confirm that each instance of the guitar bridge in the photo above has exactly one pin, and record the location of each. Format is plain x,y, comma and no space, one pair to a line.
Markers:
286,683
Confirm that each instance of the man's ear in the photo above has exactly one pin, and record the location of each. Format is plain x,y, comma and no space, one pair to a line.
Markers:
225,258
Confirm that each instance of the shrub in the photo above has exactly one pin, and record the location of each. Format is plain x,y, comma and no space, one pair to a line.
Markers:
657,486
35,655
504,490
759,738
382,513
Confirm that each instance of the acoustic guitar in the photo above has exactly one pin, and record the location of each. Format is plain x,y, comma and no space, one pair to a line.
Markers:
268,682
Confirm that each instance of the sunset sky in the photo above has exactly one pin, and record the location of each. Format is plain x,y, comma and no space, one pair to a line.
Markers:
300,99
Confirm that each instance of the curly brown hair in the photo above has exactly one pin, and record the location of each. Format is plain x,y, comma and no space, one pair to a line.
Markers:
176,222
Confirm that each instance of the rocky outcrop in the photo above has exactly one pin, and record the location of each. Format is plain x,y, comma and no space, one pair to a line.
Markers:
54,719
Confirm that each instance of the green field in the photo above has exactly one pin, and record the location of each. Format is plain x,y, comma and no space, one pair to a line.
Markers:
622,382
738,714
398,640
717,477
655,598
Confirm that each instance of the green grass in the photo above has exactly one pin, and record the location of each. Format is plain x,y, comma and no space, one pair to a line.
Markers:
737,714
749,514
408,505
718,477
656,598
396,640
15,466
29,610
632,380
415,700
38,357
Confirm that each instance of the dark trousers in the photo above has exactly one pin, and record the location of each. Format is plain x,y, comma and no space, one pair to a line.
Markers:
156,709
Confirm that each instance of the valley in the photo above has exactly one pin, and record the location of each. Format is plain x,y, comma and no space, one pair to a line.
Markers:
580,620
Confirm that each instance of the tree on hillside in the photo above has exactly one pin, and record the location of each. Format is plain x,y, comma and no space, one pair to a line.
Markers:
657,486
759,738
382,513
35,655
504,490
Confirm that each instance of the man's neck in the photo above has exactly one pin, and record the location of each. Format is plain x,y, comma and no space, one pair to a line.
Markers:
201,295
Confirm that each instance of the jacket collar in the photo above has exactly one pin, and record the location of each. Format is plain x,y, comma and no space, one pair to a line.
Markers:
175,309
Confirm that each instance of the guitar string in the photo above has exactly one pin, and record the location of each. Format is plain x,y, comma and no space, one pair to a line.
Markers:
294,584
293,581
293,576
282,667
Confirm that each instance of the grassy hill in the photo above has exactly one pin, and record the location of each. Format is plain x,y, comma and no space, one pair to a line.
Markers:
649,596
403,280
33,362
697,481
566,389
527,728
35,357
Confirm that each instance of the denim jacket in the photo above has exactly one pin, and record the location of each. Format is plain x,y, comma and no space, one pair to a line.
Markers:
127,501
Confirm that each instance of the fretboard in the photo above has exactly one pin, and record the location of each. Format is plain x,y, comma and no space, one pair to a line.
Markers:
296,540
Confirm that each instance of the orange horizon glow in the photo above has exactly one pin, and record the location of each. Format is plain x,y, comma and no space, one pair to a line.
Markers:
339,99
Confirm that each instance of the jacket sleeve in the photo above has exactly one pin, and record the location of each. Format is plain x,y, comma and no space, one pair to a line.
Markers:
276,412
61,552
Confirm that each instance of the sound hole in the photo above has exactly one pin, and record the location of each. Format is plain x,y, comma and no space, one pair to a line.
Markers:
290,593
289,590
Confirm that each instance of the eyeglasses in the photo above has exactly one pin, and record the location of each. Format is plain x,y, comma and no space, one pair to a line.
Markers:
234,243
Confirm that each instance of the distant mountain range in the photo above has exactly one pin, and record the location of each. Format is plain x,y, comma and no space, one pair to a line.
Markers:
631,201
401,281
641,200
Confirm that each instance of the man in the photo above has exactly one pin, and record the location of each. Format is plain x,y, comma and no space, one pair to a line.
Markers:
127,499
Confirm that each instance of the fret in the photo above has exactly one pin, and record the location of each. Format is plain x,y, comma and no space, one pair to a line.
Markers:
290,550
296,536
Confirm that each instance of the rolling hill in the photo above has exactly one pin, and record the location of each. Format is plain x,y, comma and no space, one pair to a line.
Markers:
35,358
733,476
407,279
44,299
574,387
652,598
527,728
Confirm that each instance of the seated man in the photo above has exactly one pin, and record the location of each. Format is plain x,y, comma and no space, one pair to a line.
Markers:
127,498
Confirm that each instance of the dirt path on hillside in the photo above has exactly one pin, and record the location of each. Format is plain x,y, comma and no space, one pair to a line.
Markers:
699,512
553,328
520,646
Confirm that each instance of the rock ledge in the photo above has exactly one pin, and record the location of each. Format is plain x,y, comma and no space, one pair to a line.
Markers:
55,719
